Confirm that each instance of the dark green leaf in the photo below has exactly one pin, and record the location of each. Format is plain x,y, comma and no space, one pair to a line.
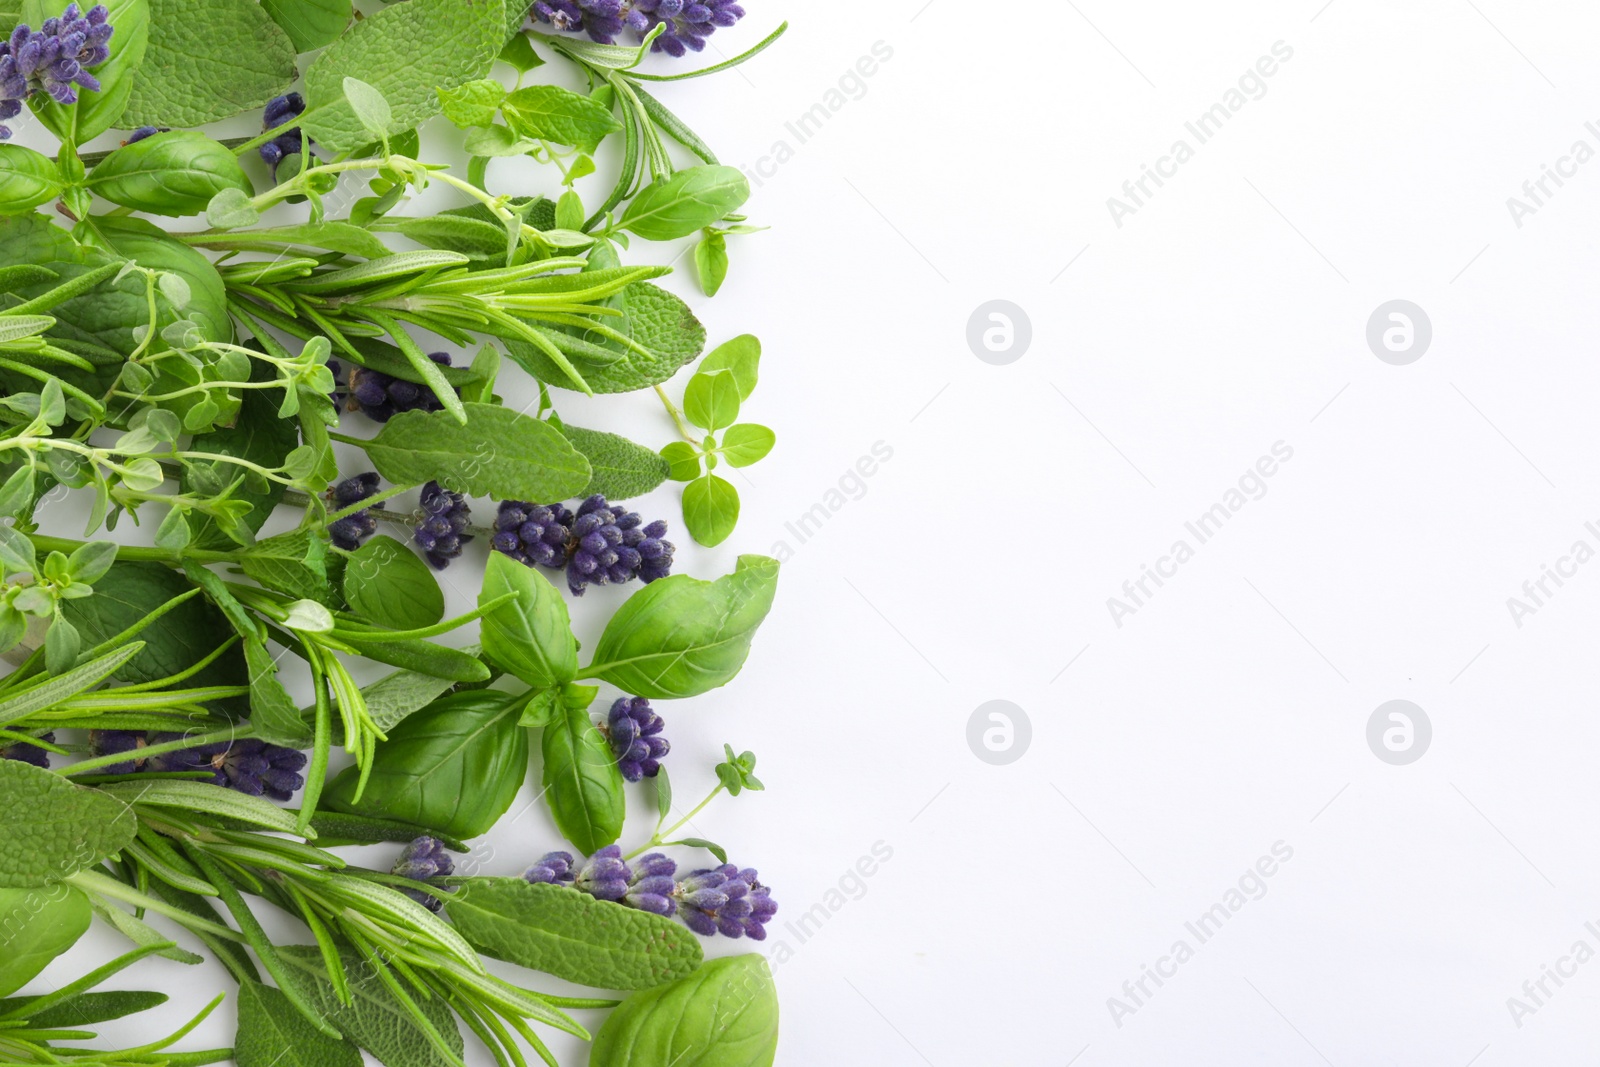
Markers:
561,931
173,173
680,636
684,202
151,247
531,636
657,320
723,1015
499,453
273,1033
39,925
621,469
86,1009
710,509
454,767
582,782
58,828
207,61
273,714
388,584
295,563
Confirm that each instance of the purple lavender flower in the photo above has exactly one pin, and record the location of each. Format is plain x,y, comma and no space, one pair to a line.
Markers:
604,875
726,900
688,22
600,545
279,110
249,766
424,858
117,742
720,900
650,887
554,868
634,730
380,397
348,533
439,533
21,750
145,131
55,59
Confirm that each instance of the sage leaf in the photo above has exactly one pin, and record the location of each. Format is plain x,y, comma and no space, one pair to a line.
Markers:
406,52
388,584
40,924
561,931
619,468
310,24
86,1009
499,453
658,321
207,61
681,636
684,202
531,636
375,1020
58,828
581,781
273,1033
393,697
454,767
186,794
274,716
551,113
710,509
723,1015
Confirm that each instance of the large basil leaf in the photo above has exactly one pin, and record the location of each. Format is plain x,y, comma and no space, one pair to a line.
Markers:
39,925
685,202
530,636
374,1019
499,453
273,1033
57,828
581,781
621,469
723,1015
680,636
174,173
558,930
406,52
454,767
387,583
207,61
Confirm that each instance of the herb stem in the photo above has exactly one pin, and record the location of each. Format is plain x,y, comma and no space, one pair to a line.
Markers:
660,836
677,417
106,886
230,733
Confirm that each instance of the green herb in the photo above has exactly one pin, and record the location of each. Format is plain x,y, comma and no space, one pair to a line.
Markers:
723,1015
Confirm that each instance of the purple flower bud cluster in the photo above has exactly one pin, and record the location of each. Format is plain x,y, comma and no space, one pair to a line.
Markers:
424,858
250,766
348,533
21,750
380,397
55,59
600,545
281,109
439,530
688,22
634,731
723,899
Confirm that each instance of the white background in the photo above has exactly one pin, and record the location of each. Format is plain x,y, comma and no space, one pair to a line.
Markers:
1229,713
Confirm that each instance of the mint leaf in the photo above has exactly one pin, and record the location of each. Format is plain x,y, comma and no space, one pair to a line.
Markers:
558,930
293,563
476,103
621,469
406,52
725,1014
552,113
310,23
710,509
207,61
499,453
58,828
386,583
273,1033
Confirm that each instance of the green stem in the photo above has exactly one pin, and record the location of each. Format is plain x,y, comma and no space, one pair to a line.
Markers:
677,417
105,886
660,836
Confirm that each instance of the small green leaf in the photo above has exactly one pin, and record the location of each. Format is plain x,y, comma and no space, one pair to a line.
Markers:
231,209
742,356
710,509
90,562
683,461
747,443
370,107
723,1015
541,709
519,53
711,400
569,211
552,113
530,636
582,782
68,828
310,24
711,262
684,202
475,103
386,583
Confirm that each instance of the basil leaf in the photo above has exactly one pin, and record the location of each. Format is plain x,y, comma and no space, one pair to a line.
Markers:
747,443
680,636
710,509
723,1015
172,173
454,767
742,356
711,263
541,709
684,202
295,563
393,697
39,925
581,781
69,827
530,636
551,113
499,453
207,61
97,112
386,583
310,24
620,469
406,52
375,1019
561,931
27,179
274,716
273,1033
